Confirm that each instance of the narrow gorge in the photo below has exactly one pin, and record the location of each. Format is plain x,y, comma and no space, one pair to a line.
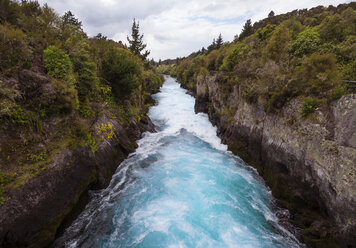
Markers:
181,188
108,141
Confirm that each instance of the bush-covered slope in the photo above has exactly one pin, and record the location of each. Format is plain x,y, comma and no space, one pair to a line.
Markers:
56,83
302,53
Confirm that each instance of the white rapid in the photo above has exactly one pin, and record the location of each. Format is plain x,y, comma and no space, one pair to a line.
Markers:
181,188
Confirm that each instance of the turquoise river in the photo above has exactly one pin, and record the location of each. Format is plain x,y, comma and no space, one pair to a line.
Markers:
181,188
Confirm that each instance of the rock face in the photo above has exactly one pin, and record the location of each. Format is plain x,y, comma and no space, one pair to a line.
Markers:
36,86
310,164
34,213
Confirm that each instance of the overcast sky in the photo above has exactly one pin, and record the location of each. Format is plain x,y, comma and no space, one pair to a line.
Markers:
175,28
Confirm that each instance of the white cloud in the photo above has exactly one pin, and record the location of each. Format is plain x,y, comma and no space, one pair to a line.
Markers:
175,28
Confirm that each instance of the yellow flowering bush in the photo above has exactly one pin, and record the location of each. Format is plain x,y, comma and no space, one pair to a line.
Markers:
105,92
105,130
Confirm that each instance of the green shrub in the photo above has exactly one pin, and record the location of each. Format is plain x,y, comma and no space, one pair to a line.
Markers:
309,106
335,28
57,62
307,42
7,100
349,21
337,92
105,91
121,69
346,55
7,108
5,178
294,26
266,32
181,67
278,44
85,68
19,116
92,144
42,156
237,53
331,29
276,99
85,110
318,74
14,52
151,81
59,66
66,98
348,70
250,94
210,60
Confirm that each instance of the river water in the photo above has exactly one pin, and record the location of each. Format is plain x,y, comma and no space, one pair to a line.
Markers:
181,188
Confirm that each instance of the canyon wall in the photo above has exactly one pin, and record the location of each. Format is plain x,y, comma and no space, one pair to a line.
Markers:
308,163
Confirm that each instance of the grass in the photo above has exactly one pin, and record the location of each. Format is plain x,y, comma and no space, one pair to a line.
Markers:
309,106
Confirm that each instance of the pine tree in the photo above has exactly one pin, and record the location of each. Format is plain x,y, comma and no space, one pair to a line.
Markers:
271,14
219,41
212,46
69,18
247,30
136,42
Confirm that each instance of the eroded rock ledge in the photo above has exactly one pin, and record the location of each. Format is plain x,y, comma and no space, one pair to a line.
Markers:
310,165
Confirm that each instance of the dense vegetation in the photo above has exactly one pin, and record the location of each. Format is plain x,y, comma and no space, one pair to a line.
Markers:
304,53
54,84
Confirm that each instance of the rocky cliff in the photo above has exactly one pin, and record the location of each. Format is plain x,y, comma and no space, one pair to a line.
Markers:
49,163
32,215
308,163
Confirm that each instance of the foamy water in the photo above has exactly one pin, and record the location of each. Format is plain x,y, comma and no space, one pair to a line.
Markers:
181,188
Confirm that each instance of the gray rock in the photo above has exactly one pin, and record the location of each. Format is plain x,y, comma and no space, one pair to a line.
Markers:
345,116
36,87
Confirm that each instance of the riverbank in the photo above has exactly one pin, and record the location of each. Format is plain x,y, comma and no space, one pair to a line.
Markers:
308,163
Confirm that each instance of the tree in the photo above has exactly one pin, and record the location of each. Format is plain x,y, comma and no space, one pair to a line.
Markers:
219,41
278,44
247,30
136,42
121,69
100,36
212,46
9,11
271,14
69,18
